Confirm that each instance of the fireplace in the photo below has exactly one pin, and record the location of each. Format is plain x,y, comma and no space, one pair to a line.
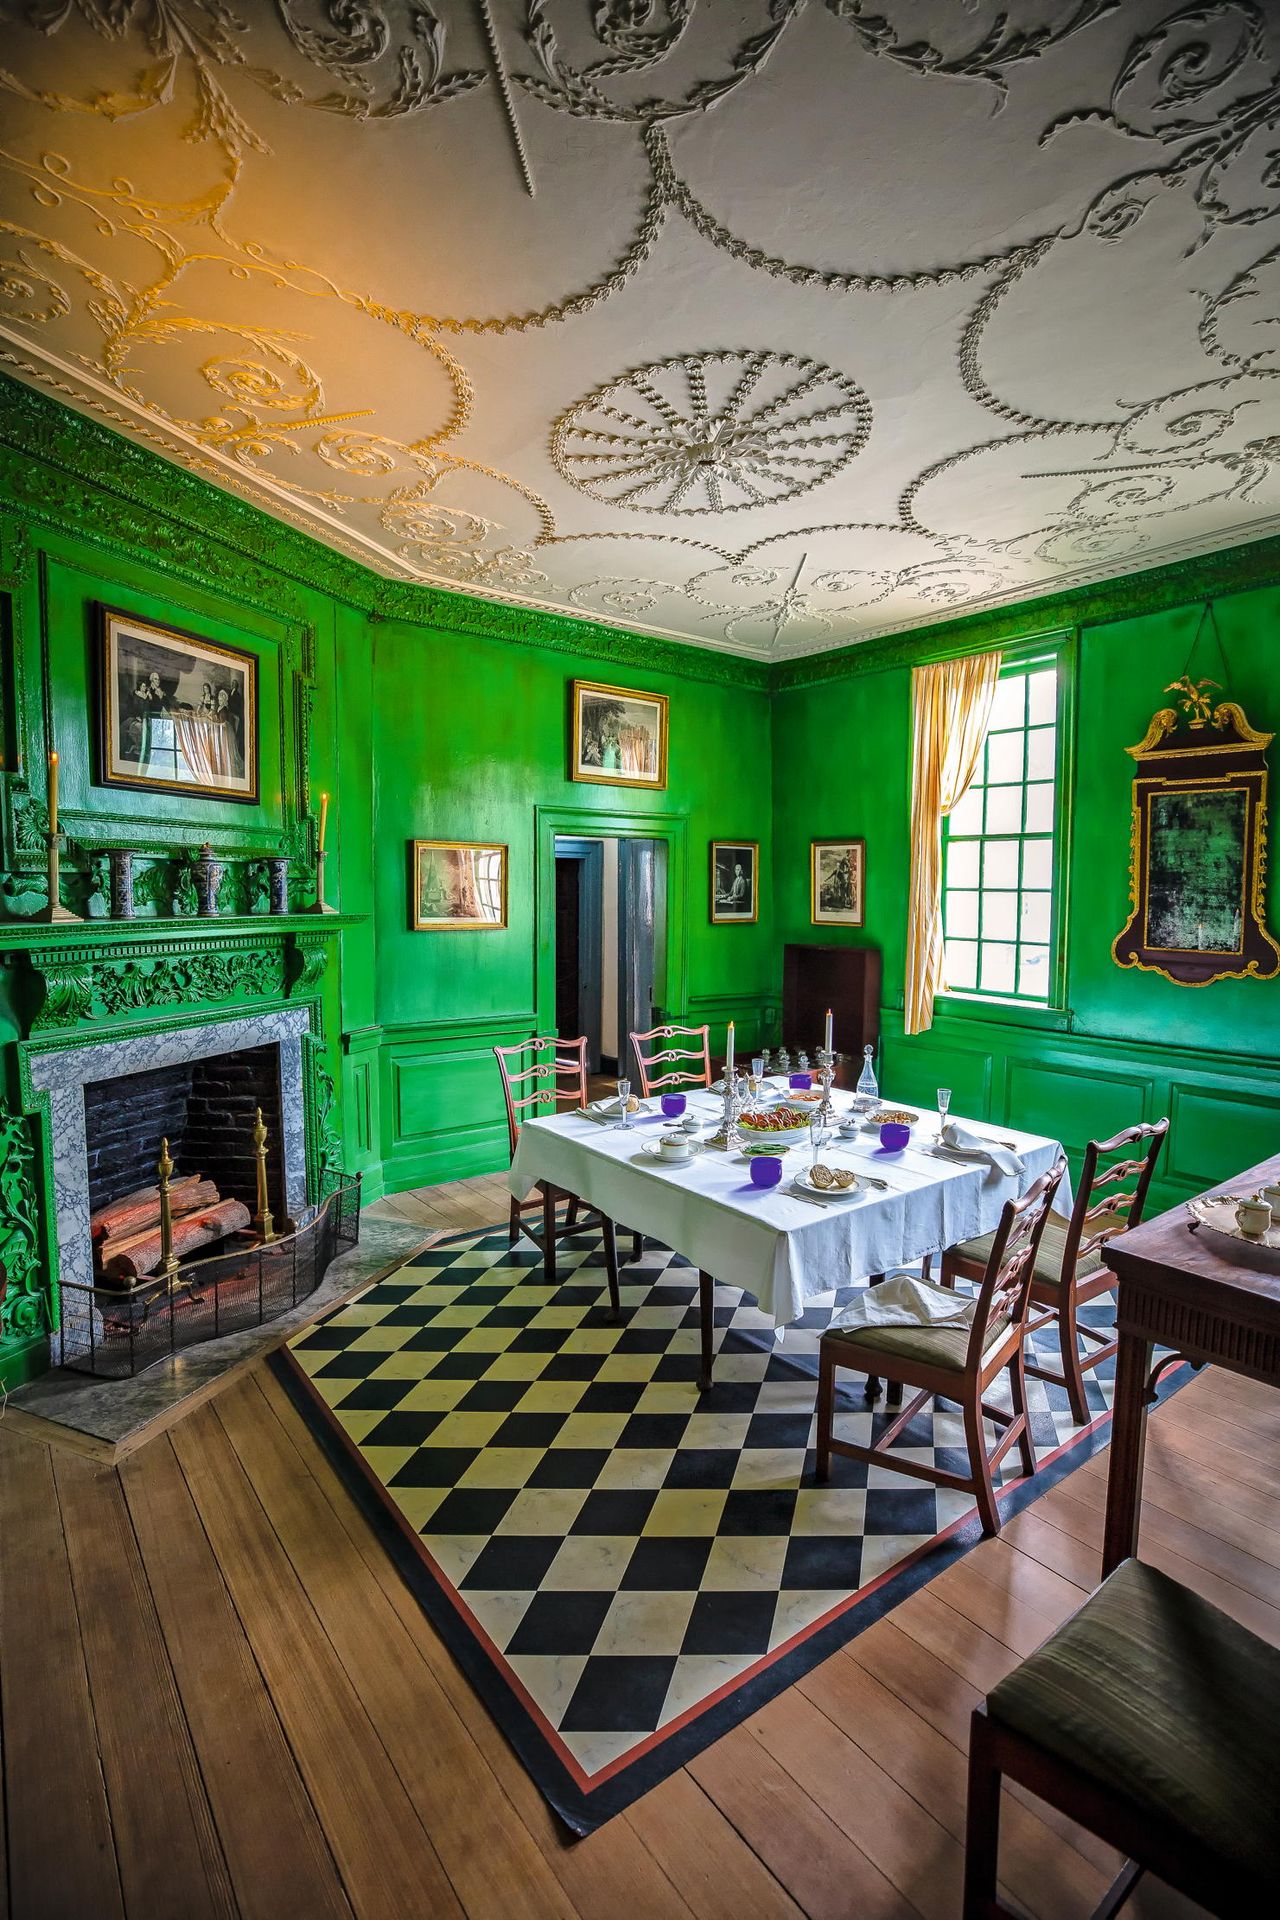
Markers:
111,1102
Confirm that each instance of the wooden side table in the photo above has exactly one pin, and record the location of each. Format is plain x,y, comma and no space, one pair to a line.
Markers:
1175,1291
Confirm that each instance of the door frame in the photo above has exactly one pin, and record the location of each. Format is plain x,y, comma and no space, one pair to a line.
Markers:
588,857
590,823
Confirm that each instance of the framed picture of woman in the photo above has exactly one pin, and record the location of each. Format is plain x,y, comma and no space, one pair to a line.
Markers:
619,737
734,890
176,714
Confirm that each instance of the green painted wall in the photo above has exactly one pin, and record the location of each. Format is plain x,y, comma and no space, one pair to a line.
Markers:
1126,1044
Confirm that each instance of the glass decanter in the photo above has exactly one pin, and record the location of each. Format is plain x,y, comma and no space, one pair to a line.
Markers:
867,1092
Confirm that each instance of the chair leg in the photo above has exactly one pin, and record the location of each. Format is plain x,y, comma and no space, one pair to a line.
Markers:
979,1465
1018,1399
826,1414
706,1318
982,1823
926,1266
571,1214
637,1246
1069,1344
514,1233
611,1265
549,1234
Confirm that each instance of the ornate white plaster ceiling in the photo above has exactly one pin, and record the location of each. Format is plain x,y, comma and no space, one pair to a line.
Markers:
767,324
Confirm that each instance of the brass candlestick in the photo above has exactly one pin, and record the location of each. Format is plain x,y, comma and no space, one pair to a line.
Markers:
262,1218
168,1259
55,912
321,905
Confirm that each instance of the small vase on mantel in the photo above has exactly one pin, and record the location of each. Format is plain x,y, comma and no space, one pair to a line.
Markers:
120,860
208,873
278,884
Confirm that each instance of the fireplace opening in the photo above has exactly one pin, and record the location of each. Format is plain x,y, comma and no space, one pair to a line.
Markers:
206,1110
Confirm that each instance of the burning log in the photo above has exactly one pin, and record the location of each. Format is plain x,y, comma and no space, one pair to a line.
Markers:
145,1251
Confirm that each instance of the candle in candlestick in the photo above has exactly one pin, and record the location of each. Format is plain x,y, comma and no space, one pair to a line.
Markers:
324,818
53,793
728,1063
828,1039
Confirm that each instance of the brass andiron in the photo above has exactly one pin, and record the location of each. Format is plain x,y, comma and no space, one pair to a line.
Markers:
168,1259
262,1221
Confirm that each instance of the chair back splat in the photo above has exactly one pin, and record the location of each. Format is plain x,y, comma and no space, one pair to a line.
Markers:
1119,1211
696,1074
1004,1297
542,1075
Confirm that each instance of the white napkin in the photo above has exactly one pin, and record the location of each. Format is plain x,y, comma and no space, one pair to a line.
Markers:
904,1301
959,1140
605,1109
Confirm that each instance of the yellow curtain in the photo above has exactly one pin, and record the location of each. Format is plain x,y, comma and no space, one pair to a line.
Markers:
951,703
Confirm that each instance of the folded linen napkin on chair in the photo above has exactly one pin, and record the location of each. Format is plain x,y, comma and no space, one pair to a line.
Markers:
959,1140
904,1301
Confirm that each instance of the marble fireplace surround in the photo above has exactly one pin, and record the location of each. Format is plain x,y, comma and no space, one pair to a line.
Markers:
63,1073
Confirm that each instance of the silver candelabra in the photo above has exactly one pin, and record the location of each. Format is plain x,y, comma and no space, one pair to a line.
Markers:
726,1134
826,1113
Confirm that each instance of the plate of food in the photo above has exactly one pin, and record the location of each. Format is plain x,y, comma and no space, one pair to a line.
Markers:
773,1129
891,1117
827,1181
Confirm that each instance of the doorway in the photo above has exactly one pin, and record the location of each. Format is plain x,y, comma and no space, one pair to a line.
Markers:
610,942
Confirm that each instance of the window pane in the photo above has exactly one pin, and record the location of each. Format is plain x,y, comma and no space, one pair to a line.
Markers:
1034,923
962,863
960,916
1033,972
960,968
1040,807
1009,706
999,967
1042,696
1040,753
1037,863
1004,809
1000,916
1004,756
967,817
1000,863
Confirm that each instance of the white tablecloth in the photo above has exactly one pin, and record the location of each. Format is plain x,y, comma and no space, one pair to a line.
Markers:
783,1251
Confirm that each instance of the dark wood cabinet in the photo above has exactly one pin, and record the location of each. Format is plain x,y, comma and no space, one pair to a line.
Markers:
846,979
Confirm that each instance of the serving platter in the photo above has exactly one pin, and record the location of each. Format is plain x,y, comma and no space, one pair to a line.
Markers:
1217,1217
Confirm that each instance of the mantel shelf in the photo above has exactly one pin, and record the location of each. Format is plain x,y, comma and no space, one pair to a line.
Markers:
23,934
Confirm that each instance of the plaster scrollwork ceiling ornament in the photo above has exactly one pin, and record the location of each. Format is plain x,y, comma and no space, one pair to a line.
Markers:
767,328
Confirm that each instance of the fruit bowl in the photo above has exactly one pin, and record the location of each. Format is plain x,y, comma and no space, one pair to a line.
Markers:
773,1129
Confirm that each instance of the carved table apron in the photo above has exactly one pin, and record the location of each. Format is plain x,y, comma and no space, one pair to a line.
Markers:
1175,1291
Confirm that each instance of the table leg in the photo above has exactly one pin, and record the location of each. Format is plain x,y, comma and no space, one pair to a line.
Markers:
549,1234
706,1317
871,1392
1128,1444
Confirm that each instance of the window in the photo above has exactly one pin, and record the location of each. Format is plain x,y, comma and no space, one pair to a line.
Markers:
998,905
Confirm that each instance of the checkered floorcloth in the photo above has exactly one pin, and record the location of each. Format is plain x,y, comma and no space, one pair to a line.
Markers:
622,1553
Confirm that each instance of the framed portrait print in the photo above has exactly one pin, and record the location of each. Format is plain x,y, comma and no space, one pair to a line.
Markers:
459,886
837,882
176,714
734,881
619,737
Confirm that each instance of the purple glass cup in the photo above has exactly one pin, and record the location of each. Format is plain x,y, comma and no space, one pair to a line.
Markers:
895,1136
673,1105
800,1082
766,1170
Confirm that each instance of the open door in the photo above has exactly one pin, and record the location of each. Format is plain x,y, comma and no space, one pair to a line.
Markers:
579,962
642,893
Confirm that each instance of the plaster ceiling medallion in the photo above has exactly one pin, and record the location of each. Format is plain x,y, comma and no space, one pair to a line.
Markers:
769,327
712,432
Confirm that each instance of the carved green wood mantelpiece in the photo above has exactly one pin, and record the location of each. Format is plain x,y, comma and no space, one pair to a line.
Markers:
68,976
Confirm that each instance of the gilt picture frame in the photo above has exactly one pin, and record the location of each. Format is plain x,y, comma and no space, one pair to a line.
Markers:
618,736
176,713
458,886
734,883
837,883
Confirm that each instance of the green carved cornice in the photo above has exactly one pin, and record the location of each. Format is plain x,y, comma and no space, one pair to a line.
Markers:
22,1313
67,468
1184,582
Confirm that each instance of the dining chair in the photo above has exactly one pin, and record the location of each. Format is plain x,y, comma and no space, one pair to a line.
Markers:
695,1076
956,1362
1071,1250
544,1074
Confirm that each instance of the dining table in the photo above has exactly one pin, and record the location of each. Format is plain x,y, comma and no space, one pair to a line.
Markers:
1183,1293
782,1246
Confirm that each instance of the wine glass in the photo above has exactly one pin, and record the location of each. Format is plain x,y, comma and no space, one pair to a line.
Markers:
624,1094
944,1101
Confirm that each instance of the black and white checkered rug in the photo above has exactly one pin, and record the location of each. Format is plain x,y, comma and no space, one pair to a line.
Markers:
623,1566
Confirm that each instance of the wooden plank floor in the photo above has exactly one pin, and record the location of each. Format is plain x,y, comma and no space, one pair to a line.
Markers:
217,1698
